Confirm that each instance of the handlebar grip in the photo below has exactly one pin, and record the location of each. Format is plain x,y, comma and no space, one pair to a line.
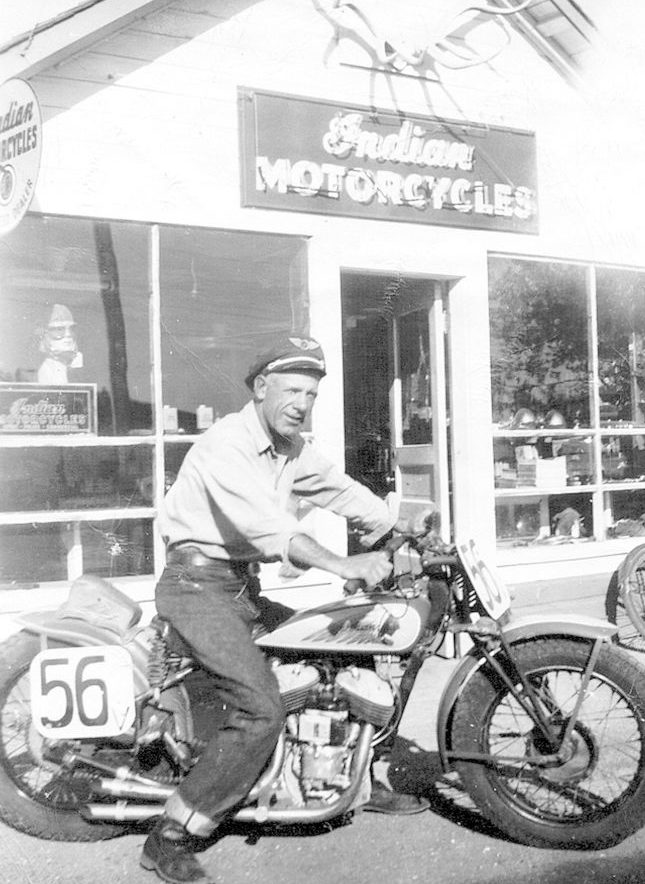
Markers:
353,586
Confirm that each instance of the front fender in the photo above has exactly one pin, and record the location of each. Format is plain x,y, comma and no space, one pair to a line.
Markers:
536,625
515,630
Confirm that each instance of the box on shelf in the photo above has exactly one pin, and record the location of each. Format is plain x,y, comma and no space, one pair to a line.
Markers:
542,473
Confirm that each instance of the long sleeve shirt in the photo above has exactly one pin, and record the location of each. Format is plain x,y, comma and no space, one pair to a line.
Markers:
236,498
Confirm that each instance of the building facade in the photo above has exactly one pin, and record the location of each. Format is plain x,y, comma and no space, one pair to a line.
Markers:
428,196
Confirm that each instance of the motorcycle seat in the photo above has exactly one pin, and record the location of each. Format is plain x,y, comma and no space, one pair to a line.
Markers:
96,601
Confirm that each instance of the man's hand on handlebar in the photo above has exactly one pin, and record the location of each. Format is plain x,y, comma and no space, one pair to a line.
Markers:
370,568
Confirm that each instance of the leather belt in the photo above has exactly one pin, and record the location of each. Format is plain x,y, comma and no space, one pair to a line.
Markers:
192,557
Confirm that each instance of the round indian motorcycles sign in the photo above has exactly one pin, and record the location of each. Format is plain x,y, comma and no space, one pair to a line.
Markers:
20,145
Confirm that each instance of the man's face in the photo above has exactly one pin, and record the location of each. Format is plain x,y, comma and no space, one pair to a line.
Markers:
284,401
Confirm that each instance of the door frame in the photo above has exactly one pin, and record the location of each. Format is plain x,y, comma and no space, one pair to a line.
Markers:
436,302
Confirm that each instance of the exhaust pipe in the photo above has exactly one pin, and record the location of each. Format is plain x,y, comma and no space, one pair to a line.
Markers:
259,814
133,790
309,816
117,813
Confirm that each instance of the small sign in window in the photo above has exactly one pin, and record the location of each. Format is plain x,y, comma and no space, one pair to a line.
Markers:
35,408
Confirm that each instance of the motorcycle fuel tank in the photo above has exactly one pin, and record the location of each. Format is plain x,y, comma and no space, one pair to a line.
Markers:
357,625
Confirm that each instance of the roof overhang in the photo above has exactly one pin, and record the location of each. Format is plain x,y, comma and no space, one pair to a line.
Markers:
71,30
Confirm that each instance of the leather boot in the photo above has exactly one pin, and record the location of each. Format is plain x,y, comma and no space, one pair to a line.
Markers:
384,800
170,852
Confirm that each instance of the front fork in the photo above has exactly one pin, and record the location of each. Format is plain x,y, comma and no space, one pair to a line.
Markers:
490,640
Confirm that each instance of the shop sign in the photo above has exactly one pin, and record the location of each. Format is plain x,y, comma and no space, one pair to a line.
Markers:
35,408
20,144
342,159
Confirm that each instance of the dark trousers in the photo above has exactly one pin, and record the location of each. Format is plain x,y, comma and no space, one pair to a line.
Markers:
211,607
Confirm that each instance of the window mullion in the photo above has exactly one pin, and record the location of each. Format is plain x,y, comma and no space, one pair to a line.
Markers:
157,392
597,498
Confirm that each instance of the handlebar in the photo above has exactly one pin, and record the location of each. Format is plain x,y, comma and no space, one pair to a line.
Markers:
441,554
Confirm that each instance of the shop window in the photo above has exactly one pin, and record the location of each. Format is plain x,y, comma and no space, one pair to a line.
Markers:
78,292
568,397
77,354
223,295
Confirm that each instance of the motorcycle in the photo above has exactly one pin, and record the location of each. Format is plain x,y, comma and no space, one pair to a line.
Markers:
542,718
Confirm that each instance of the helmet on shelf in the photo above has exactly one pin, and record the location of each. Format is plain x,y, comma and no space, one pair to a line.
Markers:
523,419
555,420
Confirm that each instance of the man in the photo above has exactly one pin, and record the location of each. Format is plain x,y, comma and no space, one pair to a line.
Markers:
233,505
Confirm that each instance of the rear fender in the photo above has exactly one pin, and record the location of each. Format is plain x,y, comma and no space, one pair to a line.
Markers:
79,633
68,631
517,629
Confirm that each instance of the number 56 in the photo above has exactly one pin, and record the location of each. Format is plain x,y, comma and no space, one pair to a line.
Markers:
82,692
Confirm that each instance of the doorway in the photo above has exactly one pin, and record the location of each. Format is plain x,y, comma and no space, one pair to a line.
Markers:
395,389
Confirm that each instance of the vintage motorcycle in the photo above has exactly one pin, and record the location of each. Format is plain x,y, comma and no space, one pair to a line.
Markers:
544,719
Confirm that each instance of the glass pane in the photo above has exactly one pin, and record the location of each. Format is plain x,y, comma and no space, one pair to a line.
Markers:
75,478
626,513
416,407
367,324
174,453
539,343
77,293
118,548
32,554
547,519
546,463
621,346
222,295
623,458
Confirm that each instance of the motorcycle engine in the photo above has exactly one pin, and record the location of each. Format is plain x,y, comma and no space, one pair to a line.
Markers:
323,724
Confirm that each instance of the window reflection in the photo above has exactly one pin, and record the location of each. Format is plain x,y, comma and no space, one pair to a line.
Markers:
222,295
414,342
621,346
539,341
74,478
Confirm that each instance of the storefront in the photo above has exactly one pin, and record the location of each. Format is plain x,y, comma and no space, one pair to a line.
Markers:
201,187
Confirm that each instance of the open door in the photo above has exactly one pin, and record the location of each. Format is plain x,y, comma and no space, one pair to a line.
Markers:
396,420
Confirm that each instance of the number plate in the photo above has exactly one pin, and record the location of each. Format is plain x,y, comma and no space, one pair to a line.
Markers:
492,592
80,693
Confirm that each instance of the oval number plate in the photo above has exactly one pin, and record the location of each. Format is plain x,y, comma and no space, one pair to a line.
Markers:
80,693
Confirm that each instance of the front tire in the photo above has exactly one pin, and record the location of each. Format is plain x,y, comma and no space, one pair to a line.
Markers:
37,795
596,796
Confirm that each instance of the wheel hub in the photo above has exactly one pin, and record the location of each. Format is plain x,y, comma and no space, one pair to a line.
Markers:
577,755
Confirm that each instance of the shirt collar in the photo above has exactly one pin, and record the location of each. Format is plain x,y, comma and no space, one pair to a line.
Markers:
260,439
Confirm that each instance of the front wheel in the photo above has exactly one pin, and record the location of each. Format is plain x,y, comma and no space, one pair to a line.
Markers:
594,795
